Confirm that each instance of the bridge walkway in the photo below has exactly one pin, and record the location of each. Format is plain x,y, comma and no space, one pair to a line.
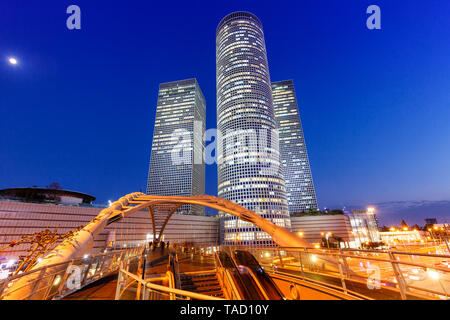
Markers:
105,288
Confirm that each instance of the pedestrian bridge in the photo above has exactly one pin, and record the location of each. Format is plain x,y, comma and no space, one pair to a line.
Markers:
216,273
293,270
161,209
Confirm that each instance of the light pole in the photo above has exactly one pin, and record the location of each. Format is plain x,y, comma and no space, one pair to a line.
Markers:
432,236
358,232
326,237
445,237
440,239
442,236
370,224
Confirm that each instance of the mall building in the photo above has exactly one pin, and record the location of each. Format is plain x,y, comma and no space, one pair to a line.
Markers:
25,211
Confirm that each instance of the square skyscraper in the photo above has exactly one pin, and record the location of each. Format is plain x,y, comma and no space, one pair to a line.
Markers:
176,163
300,190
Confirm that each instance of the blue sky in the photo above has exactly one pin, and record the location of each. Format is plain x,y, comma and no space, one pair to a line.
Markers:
375,104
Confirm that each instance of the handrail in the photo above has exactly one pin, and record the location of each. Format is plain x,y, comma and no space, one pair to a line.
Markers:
356,250
331,250
420,265
245,260
226,279
320,283
337,254
395,267
168,290
433,255
49,281
255,278
171,283
393,289
173,267
235,291
335,290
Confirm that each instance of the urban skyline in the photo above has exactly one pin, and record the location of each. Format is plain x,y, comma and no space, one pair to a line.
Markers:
338,113
262,236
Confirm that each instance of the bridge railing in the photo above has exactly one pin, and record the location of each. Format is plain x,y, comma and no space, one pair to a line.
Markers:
128,282
376,274
59,280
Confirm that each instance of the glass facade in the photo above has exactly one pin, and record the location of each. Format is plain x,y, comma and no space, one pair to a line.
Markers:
364,225
300,190
249,166
176,163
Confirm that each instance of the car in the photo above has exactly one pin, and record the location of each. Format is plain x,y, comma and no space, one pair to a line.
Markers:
443,264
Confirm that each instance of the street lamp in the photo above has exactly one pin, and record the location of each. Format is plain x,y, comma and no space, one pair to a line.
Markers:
430,230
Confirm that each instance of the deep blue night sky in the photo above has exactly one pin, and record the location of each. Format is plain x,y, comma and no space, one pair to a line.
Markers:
375,105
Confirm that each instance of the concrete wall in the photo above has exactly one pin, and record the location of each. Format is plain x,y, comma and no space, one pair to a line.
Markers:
18,219
312,226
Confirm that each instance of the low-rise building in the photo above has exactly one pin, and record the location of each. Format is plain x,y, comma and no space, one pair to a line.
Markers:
410,236
19,218
313,228
364,226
